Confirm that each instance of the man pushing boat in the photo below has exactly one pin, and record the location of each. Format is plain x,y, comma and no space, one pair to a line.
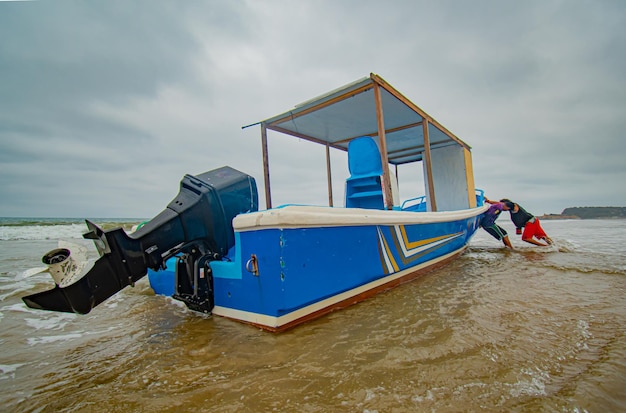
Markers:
527,222
488,222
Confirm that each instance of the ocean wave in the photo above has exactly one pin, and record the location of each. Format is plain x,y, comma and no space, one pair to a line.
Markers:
24,229
41,232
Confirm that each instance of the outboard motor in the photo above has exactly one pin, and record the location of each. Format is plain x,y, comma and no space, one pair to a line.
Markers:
196,226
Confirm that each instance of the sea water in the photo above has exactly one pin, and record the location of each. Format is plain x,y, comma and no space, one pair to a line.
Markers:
535,329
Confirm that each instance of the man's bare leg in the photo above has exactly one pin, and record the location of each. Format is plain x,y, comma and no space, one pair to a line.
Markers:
534,242
507,242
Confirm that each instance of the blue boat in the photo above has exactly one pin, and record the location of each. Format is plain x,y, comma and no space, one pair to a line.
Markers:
278,267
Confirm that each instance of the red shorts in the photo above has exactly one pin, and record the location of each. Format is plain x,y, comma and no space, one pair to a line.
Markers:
533,230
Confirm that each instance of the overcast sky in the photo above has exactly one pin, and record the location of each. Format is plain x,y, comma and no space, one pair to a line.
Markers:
106,105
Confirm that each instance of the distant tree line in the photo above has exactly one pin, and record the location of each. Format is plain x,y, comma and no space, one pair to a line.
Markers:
595,212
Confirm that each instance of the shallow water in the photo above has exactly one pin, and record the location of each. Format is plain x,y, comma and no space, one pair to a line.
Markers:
529,330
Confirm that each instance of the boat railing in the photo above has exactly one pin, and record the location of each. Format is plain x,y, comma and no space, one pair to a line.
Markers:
418,204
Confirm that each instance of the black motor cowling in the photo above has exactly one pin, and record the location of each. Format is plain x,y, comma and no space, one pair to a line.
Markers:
196,225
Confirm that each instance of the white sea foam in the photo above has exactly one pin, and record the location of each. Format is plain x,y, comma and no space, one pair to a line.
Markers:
8,370
39,232
584,329
428,396
16,289
535,385
51,339
56,321
585,335
20,307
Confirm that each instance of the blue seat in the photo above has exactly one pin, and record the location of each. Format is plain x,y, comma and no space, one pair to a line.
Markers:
363,187
480,197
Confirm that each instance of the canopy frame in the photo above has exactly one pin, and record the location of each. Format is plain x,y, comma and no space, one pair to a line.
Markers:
367,107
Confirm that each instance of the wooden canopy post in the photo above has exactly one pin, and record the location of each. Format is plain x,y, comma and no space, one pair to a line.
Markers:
329,176
382,139
266,167
429,169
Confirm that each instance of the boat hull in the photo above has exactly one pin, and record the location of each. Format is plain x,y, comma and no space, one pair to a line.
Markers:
277,323
294,264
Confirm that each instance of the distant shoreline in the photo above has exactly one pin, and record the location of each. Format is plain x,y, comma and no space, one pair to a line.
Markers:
558,216
588,213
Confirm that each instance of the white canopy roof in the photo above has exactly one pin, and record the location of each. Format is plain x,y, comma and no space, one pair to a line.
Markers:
350,111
